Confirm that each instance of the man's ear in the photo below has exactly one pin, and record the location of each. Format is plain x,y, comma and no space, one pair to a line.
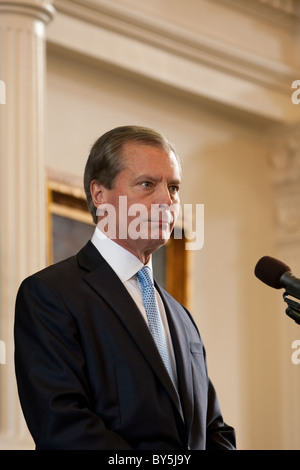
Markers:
97,192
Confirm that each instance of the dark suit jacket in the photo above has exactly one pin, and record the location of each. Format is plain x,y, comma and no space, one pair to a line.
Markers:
88,372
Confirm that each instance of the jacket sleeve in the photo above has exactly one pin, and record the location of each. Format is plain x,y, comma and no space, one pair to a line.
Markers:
52,385
219,436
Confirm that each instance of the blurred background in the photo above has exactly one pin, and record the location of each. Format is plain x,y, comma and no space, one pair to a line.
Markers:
216,77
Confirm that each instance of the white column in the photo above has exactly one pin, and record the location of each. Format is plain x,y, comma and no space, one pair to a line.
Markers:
22,181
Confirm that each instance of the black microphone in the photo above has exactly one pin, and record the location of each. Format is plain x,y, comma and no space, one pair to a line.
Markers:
278,275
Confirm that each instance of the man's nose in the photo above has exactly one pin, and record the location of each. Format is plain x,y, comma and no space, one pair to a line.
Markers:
164,196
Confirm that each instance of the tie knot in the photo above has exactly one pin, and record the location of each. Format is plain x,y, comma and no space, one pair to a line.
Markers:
145,276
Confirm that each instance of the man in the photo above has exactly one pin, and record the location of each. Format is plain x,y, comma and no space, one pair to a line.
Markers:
90,374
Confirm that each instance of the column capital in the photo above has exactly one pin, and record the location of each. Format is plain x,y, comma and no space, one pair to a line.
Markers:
42,10
284,164
284,157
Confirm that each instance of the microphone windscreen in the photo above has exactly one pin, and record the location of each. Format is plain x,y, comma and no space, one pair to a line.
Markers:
269,270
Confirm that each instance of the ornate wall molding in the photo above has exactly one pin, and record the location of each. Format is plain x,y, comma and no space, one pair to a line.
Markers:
283,12
284,163
185,61
179,41
288,7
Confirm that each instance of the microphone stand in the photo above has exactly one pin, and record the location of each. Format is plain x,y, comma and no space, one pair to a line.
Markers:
293,310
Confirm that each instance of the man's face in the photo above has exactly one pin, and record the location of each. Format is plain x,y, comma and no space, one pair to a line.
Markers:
145,197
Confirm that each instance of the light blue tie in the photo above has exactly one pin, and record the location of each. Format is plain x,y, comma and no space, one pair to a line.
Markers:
154,319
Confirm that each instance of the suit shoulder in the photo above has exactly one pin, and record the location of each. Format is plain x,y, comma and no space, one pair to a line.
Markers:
53,274
57,269
68,273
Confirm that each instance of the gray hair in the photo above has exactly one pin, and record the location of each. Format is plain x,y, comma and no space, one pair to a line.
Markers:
105,160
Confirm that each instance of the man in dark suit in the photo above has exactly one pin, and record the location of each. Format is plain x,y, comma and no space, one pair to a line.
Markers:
89,373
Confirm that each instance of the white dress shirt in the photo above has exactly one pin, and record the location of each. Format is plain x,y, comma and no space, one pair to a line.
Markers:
126,265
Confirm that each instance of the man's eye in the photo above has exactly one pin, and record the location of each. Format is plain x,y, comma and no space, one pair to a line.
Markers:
174,189
146,184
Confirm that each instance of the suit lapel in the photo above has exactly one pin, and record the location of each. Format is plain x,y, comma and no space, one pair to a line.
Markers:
176,316
106,283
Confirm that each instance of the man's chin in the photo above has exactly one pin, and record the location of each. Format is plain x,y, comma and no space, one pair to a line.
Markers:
153,245
159,238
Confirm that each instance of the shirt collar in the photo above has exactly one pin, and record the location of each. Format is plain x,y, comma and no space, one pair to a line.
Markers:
124,263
